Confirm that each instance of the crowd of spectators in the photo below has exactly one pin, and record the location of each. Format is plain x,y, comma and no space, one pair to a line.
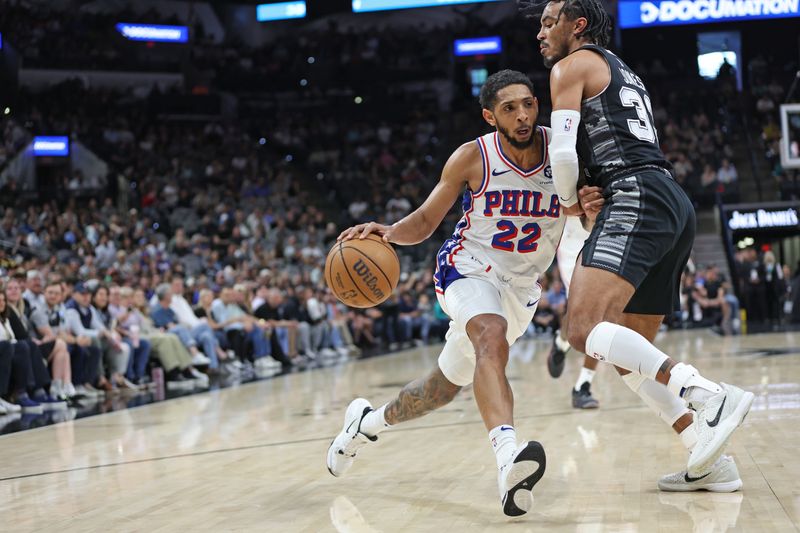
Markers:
697,133
48,35
769,86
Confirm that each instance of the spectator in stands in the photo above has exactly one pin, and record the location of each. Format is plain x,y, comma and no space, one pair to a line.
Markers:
34,290
411,317
84,350
708,181
139,348
203,309
200,330
288,331
774,287
166,347
753,289
117,353
49,324
6,358
22,377
710,296
362,321
52,349
317,314
261,330
41,384
727,174
243,331
165,318
341,338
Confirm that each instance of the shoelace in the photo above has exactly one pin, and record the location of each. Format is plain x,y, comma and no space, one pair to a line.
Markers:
352,447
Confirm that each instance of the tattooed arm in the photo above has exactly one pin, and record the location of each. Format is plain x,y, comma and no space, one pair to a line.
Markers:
420,397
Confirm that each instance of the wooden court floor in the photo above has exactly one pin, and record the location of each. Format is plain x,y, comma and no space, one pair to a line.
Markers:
252,458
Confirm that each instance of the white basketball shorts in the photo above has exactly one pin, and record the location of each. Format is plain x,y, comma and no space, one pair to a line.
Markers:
469,297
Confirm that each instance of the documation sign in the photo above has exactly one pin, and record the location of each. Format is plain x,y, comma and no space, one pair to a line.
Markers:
634,14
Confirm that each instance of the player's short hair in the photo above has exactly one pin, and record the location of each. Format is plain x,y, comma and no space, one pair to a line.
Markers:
598,22
499,81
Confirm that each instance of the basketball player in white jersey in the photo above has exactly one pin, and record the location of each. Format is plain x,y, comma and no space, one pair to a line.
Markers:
486,281
568,250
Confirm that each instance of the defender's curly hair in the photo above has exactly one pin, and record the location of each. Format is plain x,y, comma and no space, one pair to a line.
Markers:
598,22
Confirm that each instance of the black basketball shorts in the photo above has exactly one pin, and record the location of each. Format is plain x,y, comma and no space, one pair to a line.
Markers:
644,233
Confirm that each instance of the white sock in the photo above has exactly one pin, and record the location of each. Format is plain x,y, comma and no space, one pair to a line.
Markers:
504,443
374,422
689,437
562,344
625,348
585,376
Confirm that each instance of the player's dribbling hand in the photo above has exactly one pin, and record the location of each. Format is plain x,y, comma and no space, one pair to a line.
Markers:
591,200
362,230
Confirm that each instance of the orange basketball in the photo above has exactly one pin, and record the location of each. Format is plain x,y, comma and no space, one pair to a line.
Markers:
362,272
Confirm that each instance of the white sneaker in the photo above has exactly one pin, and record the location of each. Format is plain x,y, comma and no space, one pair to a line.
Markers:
87,393
342,351
517,478
342,450
200,378
327,352
200,359
723,477
715,420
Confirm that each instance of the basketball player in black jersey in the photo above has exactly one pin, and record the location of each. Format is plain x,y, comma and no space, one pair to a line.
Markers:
628,273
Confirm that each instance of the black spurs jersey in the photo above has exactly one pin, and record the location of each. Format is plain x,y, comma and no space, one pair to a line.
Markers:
616,131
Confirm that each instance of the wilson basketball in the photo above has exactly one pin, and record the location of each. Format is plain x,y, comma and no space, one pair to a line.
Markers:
362,272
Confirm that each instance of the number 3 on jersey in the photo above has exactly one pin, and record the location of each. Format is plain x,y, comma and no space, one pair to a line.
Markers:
508,232
642,127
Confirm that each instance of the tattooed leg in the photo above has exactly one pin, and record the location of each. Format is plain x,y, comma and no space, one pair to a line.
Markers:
420,397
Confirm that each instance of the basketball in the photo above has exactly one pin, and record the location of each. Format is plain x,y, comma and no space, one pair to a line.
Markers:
362,272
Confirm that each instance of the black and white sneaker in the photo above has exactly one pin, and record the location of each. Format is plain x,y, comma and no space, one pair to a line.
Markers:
723,477
517,478
343,449
716,420
583,399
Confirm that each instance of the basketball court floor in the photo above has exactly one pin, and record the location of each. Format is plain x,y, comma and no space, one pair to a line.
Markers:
252,458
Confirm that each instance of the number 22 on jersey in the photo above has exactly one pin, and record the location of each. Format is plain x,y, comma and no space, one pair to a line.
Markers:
509,232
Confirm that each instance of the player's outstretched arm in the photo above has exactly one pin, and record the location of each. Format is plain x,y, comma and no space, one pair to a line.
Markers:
566,89
421,223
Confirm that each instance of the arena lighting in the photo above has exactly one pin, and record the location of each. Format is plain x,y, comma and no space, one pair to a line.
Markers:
478,46
637,14
153,32
362,6
51,146
281,11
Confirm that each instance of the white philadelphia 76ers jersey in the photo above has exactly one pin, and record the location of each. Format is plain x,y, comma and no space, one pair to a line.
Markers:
511,225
